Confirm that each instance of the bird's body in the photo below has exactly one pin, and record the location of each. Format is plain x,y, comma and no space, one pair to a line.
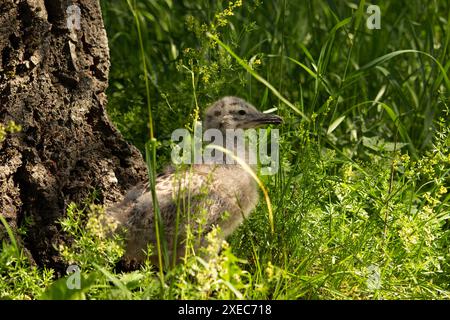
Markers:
199,197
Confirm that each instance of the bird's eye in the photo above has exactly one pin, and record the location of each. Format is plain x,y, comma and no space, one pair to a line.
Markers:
241,112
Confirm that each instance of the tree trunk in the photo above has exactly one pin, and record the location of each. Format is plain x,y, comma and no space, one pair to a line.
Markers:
53,77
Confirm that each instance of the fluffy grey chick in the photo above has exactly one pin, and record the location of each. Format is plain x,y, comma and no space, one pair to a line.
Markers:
202,196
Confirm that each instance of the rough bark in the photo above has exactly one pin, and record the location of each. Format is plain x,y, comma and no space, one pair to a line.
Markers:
52,82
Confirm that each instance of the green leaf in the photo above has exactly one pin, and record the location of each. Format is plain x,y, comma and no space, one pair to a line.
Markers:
378,144
394,54
132,280
116,281
10,234
335,123
401,129
59,290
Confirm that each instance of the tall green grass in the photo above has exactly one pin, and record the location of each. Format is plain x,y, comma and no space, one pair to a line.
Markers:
362,109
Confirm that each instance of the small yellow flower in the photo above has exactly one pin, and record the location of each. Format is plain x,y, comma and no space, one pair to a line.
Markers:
269,270
405,158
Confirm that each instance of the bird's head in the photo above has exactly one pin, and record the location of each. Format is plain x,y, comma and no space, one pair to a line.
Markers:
236,113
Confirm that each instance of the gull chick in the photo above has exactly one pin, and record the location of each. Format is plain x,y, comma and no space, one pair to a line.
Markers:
199,197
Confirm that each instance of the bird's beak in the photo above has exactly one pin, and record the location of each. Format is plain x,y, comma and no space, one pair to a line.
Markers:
265,118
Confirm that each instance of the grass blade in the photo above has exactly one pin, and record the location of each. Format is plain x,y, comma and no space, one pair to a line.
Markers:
257,76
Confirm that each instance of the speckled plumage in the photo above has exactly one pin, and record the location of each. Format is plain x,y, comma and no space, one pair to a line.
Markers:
203,195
